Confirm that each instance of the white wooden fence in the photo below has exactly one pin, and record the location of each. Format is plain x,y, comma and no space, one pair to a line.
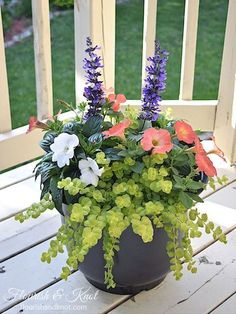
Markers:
96,18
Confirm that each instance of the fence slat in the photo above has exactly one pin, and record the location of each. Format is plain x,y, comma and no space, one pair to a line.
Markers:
149,32
96,19
42,53
189,49
225,123
5,113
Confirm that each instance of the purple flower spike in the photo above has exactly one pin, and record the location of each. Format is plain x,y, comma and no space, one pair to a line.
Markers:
155,84
93,91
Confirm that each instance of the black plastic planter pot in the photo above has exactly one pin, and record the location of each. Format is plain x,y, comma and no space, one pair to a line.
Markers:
138,265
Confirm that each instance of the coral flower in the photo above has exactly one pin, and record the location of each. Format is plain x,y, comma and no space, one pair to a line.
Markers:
184,132
205,164
157,140
34,123
198,148
118,129
117,100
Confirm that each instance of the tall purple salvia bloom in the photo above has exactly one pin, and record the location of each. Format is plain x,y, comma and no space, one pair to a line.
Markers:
93,91
155,84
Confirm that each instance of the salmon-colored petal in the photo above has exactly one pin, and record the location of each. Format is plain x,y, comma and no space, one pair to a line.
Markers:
32,124
118,129
116,106
146,143
126,123
184,132
120,98
158,140
198,148
205,164
111,97
162,149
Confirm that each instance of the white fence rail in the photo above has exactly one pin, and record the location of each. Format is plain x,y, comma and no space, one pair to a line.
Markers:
42,53
96,18
189,49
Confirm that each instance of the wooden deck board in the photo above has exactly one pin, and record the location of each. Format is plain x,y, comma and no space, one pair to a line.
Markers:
17,197
228,307
25,272
22,242
73,292
17,175
16,237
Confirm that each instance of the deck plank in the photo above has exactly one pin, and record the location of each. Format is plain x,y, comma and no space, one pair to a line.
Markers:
17,175
228,307
17,274
73,294
16,237
17,197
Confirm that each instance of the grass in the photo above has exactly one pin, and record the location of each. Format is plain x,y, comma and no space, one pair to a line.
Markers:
129,25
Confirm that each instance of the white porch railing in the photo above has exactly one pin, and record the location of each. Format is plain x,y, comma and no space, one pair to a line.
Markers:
96,18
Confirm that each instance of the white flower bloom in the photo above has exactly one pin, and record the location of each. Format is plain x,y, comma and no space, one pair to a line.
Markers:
63,148
90,172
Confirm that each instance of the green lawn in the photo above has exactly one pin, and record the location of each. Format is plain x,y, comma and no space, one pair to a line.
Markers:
20,59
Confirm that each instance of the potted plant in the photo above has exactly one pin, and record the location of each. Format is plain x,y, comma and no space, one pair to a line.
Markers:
125,183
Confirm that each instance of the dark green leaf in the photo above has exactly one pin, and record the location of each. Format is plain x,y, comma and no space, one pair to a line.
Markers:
195,197
92,125
124,153
193,185
70,199
184,168
47,157
47,140
71,127
175,171
138,167
144,124
106,125
179,186
96,138
45,188
178,179
56,193
46,170
185,199
181,157
112,153
134,137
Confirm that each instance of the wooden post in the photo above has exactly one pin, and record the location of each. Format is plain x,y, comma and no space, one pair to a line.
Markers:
5,113
149,32
96,19
225,122
42,53
189,49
